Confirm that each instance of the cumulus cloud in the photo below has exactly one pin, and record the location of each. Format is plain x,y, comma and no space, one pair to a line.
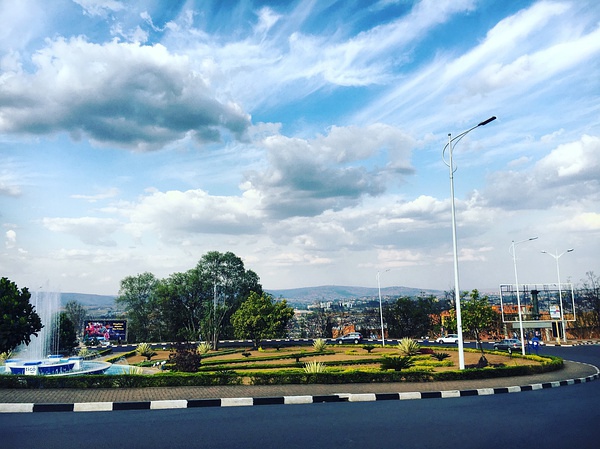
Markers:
567,173
307,177
191,212
122,94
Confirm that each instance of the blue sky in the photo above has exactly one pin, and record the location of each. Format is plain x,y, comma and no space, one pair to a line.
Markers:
305,136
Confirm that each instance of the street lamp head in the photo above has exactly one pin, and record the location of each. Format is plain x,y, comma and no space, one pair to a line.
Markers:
533,238
485,122
569,250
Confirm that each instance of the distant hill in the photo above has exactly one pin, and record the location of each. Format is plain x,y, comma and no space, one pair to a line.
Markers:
308,295
304,295
88,300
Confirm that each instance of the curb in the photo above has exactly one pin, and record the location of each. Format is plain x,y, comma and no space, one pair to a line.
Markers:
282,400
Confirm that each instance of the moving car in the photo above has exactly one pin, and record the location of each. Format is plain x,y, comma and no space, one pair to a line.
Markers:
450,338
352,337
508,344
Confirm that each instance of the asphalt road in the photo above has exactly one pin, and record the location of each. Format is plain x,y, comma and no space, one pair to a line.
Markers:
565,417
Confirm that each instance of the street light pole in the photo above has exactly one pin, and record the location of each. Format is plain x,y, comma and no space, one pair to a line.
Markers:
381,309
562,315
452,169
514,254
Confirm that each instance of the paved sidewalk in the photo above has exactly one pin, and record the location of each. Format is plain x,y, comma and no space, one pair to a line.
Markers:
18,400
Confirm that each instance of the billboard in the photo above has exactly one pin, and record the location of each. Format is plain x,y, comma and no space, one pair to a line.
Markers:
106,330
538,302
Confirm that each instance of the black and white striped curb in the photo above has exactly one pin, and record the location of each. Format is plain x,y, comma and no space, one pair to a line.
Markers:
282,400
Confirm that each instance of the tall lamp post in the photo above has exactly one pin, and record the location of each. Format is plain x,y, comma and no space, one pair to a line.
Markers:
514,254
452,169
381,309
562,315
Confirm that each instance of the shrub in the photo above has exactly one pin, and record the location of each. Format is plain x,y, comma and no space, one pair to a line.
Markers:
185,359
145,350
319,345
204,348
369,348
396,363
314,367
440,355
408,347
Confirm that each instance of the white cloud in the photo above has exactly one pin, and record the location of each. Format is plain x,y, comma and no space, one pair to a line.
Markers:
127,95
11,238
90,230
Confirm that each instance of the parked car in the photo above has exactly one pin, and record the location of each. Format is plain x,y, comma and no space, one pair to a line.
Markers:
450,338
508,344
352,337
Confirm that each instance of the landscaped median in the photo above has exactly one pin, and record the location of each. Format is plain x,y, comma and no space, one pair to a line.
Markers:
298,365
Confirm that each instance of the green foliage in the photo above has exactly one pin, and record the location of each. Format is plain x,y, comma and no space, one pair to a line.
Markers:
145,350
478,317
409,317
67,337
440,355
369,348
77,314
18,319
260,317
396,363
314,367
408,347
204,348
319,344
137,295
185,359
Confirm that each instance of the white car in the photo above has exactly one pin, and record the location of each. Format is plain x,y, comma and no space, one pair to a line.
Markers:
450,338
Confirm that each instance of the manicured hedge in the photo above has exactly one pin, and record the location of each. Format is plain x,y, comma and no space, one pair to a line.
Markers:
280,377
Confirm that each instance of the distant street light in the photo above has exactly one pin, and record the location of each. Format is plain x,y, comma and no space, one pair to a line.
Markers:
452,168
562,315
381,308
514,254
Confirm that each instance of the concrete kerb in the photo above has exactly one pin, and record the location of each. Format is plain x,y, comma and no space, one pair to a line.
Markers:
289,400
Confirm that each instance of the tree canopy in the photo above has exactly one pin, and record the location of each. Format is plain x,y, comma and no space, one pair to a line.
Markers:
260,317
191,305
410,317
18,319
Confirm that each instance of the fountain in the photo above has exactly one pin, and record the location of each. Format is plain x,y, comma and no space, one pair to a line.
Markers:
36,360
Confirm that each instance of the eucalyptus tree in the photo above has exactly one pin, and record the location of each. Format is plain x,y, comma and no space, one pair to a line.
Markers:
229,283
77,314
137,295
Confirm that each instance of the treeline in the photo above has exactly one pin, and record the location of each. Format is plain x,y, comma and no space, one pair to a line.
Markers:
194,305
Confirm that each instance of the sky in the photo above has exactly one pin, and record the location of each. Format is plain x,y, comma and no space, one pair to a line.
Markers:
306,137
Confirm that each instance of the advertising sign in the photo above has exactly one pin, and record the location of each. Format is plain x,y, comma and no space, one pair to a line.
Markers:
106,330
554,312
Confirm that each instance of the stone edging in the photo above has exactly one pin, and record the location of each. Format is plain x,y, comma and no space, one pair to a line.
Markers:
283,400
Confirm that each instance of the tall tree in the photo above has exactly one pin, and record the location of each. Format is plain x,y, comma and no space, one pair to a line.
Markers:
18,319
260,317
589,301
409,317
138,297
77,314
67,336
478,317
181,297
230,284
